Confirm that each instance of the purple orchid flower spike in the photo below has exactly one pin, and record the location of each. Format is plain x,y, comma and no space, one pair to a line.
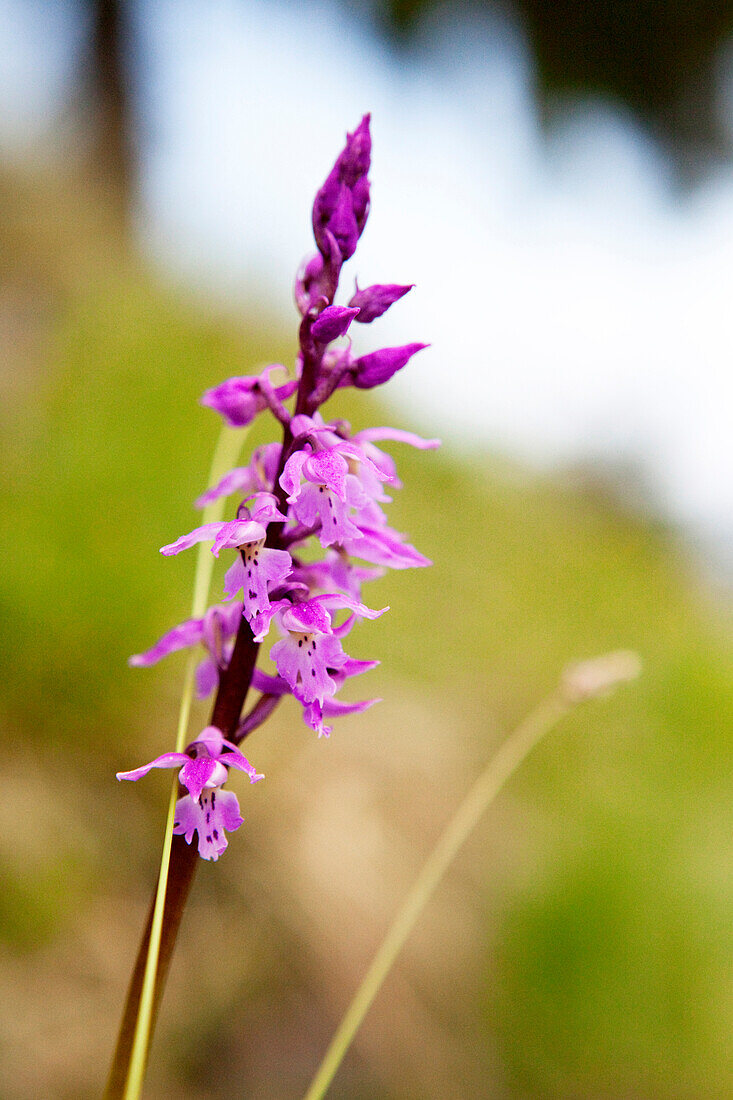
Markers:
206,809
321,484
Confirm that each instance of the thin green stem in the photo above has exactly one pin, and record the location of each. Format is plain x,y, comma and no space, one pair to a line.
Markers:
488,785
225,455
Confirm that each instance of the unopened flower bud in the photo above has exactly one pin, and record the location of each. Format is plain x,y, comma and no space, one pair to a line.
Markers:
379,366
375,300
341,205
332,323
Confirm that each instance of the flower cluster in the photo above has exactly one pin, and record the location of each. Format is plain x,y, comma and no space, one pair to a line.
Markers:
321,485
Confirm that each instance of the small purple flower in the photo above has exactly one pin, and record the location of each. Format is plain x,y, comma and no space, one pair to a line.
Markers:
239,400
336,480
308,649
234,532
229,534
326,494
203,769
312,645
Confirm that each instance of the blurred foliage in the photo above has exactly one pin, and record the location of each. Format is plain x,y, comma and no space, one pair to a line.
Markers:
660,58
582,946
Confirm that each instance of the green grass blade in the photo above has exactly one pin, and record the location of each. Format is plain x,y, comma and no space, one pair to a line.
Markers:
225,456
499,769
587,680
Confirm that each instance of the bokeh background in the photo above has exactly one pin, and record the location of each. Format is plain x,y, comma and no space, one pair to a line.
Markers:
557,180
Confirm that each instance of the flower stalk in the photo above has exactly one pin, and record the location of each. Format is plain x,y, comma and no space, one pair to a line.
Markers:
321,484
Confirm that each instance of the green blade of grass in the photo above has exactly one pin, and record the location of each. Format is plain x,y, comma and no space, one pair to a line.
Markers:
225,456
585,681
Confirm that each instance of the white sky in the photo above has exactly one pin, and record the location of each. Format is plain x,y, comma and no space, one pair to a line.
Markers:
576,307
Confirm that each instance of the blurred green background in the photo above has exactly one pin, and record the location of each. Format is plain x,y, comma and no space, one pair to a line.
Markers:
582,944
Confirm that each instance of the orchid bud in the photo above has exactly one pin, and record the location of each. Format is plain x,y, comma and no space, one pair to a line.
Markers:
375,300
378,367
332,323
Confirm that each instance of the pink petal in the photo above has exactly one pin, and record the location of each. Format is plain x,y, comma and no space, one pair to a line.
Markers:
188,633
167,760
373,435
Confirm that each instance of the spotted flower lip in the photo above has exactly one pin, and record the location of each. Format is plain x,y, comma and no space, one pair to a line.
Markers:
215,813
256,572
206,809
311,646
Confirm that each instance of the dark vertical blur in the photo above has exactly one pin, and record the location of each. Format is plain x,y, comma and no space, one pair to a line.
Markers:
105,80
